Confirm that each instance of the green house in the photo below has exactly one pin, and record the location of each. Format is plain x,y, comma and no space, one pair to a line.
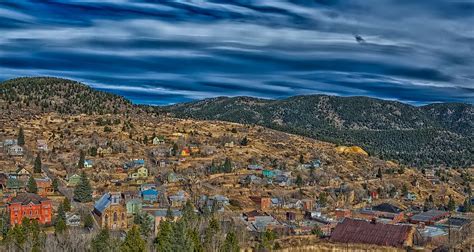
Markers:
73,180
134,206
268,173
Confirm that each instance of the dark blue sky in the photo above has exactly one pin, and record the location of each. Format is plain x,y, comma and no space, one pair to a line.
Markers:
161,52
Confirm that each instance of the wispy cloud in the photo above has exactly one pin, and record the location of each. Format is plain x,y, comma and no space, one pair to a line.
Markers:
161,52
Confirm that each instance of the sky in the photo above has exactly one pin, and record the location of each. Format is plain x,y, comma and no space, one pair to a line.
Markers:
163,52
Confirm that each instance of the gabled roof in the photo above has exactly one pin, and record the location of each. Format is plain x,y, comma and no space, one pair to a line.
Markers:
387,208
364,232
102,203
27,198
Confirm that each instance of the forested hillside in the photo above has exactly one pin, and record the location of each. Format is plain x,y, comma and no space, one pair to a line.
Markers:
47,94
432,135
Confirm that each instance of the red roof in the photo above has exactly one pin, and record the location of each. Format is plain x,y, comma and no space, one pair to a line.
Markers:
365,232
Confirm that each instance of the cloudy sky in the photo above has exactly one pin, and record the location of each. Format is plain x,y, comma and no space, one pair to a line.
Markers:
161,52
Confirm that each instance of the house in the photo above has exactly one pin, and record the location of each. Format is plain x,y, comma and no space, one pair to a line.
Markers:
160,215
411,196
129,195
185,152
282,180
104,151
429,217
229,144
42,145
435,236
255,167
110,212
31,206
352,231
140,173
171,178
73,220
263,202
135,163
134,206
9,142
14,185
268,173
158,140
88,163
386,211
147,187
216,202
22,173
45,186
250,180
178,200
150,195
15,150
308,204
263,223
73,180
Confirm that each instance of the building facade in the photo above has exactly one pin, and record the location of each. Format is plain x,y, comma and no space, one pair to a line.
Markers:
31,206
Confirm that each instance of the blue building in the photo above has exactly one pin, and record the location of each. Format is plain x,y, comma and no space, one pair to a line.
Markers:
150,195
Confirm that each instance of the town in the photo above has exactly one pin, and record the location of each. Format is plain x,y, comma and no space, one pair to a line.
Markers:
144,183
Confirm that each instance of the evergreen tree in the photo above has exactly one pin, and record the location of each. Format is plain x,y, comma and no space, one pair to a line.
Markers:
88,221
244,141
37,166
133,241
55,185
144,222
227,167
101,243
174,149
163,240
301,159
4,224
32,186
379,173
83,190
404,190
60,226
180,239
66,205
231,244
169,214
299,181
322,199
21,137
467,206
451,204
82,158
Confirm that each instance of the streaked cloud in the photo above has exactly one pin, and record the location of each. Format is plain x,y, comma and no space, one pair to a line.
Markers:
161,52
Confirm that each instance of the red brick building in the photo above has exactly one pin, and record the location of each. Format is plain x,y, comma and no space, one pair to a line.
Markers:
31,206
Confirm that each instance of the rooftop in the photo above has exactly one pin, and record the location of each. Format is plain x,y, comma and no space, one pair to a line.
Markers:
365,232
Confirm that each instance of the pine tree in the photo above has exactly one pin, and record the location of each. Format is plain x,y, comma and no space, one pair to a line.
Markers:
404,190
21,137
244,141
66,204
163,239
55,185
101,243
88,221
180,238
133,241
83,190
231,244
37,166
301,159
299,181
82,157
379,173
451,204
227,167
467,206
32,186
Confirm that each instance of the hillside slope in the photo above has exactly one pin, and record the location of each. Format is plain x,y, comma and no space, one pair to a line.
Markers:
46,94
437,134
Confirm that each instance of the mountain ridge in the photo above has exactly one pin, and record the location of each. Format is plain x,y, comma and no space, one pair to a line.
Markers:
429,135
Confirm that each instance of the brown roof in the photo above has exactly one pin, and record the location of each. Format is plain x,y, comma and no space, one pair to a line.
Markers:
361,231
26,198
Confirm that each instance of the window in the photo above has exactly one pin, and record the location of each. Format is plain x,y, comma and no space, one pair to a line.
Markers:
115,217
